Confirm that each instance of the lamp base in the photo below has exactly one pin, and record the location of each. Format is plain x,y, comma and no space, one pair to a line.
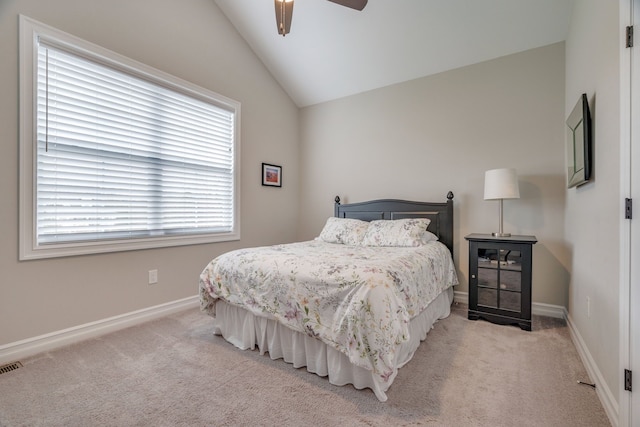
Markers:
501,234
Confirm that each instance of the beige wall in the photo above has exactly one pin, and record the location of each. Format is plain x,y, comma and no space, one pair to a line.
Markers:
190,39
415,140
419,139
593,211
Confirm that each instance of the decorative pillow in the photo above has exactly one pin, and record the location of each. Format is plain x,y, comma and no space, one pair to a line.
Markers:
399,232
346,231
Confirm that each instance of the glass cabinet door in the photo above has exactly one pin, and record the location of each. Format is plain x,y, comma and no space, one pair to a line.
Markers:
499,278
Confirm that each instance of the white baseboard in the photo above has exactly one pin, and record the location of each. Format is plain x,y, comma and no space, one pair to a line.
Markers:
21,349
549,310
461,297
607,399
537,308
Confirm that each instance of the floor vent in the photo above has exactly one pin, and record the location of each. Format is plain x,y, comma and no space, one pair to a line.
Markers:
10,367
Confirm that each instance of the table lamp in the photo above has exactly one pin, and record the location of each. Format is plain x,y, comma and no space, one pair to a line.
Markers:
500,184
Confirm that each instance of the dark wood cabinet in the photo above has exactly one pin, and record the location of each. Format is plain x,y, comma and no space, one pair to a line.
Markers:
500,279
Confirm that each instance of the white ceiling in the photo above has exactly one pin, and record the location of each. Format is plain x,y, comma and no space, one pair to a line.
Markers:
333,51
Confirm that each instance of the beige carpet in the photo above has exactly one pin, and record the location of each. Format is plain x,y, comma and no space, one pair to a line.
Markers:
174,372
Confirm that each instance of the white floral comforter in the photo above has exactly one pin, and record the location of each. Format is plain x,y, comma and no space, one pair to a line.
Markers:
356,299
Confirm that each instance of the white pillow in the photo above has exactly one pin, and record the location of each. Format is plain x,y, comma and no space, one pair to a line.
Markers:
399,232
346,231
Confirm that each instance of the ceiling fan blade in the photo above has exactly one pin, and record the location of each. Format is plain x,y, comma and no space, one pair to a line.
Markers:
353,4
284,12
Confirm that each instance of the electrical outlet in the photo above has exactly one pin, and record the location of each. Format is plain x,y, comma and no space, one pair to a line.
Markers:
153,277
588,307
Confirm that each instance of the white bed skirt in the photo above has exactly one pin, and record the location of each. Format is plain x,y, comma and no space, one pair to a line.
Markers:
246,331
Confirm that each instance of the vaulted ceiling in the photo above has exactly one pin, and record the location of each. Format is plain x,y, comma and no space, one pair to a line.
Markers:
333,51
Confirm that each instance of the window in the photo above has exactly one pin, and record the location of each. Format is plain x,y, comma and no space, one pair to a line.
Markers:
116,155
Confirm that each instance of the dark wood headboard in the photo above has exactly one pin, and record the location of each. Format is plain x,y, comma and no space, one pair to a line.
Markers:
440,213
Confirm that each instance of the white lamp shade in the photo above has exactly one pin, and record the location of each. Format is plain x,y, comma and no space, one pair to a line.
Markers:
501,184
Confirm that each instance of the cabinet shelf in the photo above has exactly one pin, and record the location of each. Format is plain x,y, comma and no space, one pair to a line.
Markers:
507,268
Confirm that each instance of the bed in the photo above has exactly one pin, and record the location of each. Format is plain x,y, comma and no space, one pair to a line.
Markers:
353,304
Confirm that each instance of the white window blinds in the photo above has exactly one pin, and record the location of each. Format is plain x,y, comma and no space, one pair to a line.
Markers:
124,157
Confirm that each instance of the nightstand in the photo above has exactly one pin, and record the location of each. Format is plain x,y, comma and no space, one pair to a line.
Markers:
500,279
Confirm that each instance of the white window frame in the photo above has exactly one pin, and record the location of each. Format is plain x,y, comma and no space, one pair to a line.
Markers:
30,33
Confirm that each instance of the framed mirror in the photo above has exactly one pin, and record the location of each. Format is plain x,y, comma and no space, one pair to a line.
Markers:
578,142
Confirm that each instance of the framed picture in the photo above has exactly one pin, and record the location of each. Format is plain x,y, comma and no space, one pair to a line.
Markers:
271,175
579,144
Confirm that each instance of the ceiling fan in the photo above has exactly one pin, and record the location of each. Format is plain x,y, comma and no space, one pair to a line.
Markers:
284,10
